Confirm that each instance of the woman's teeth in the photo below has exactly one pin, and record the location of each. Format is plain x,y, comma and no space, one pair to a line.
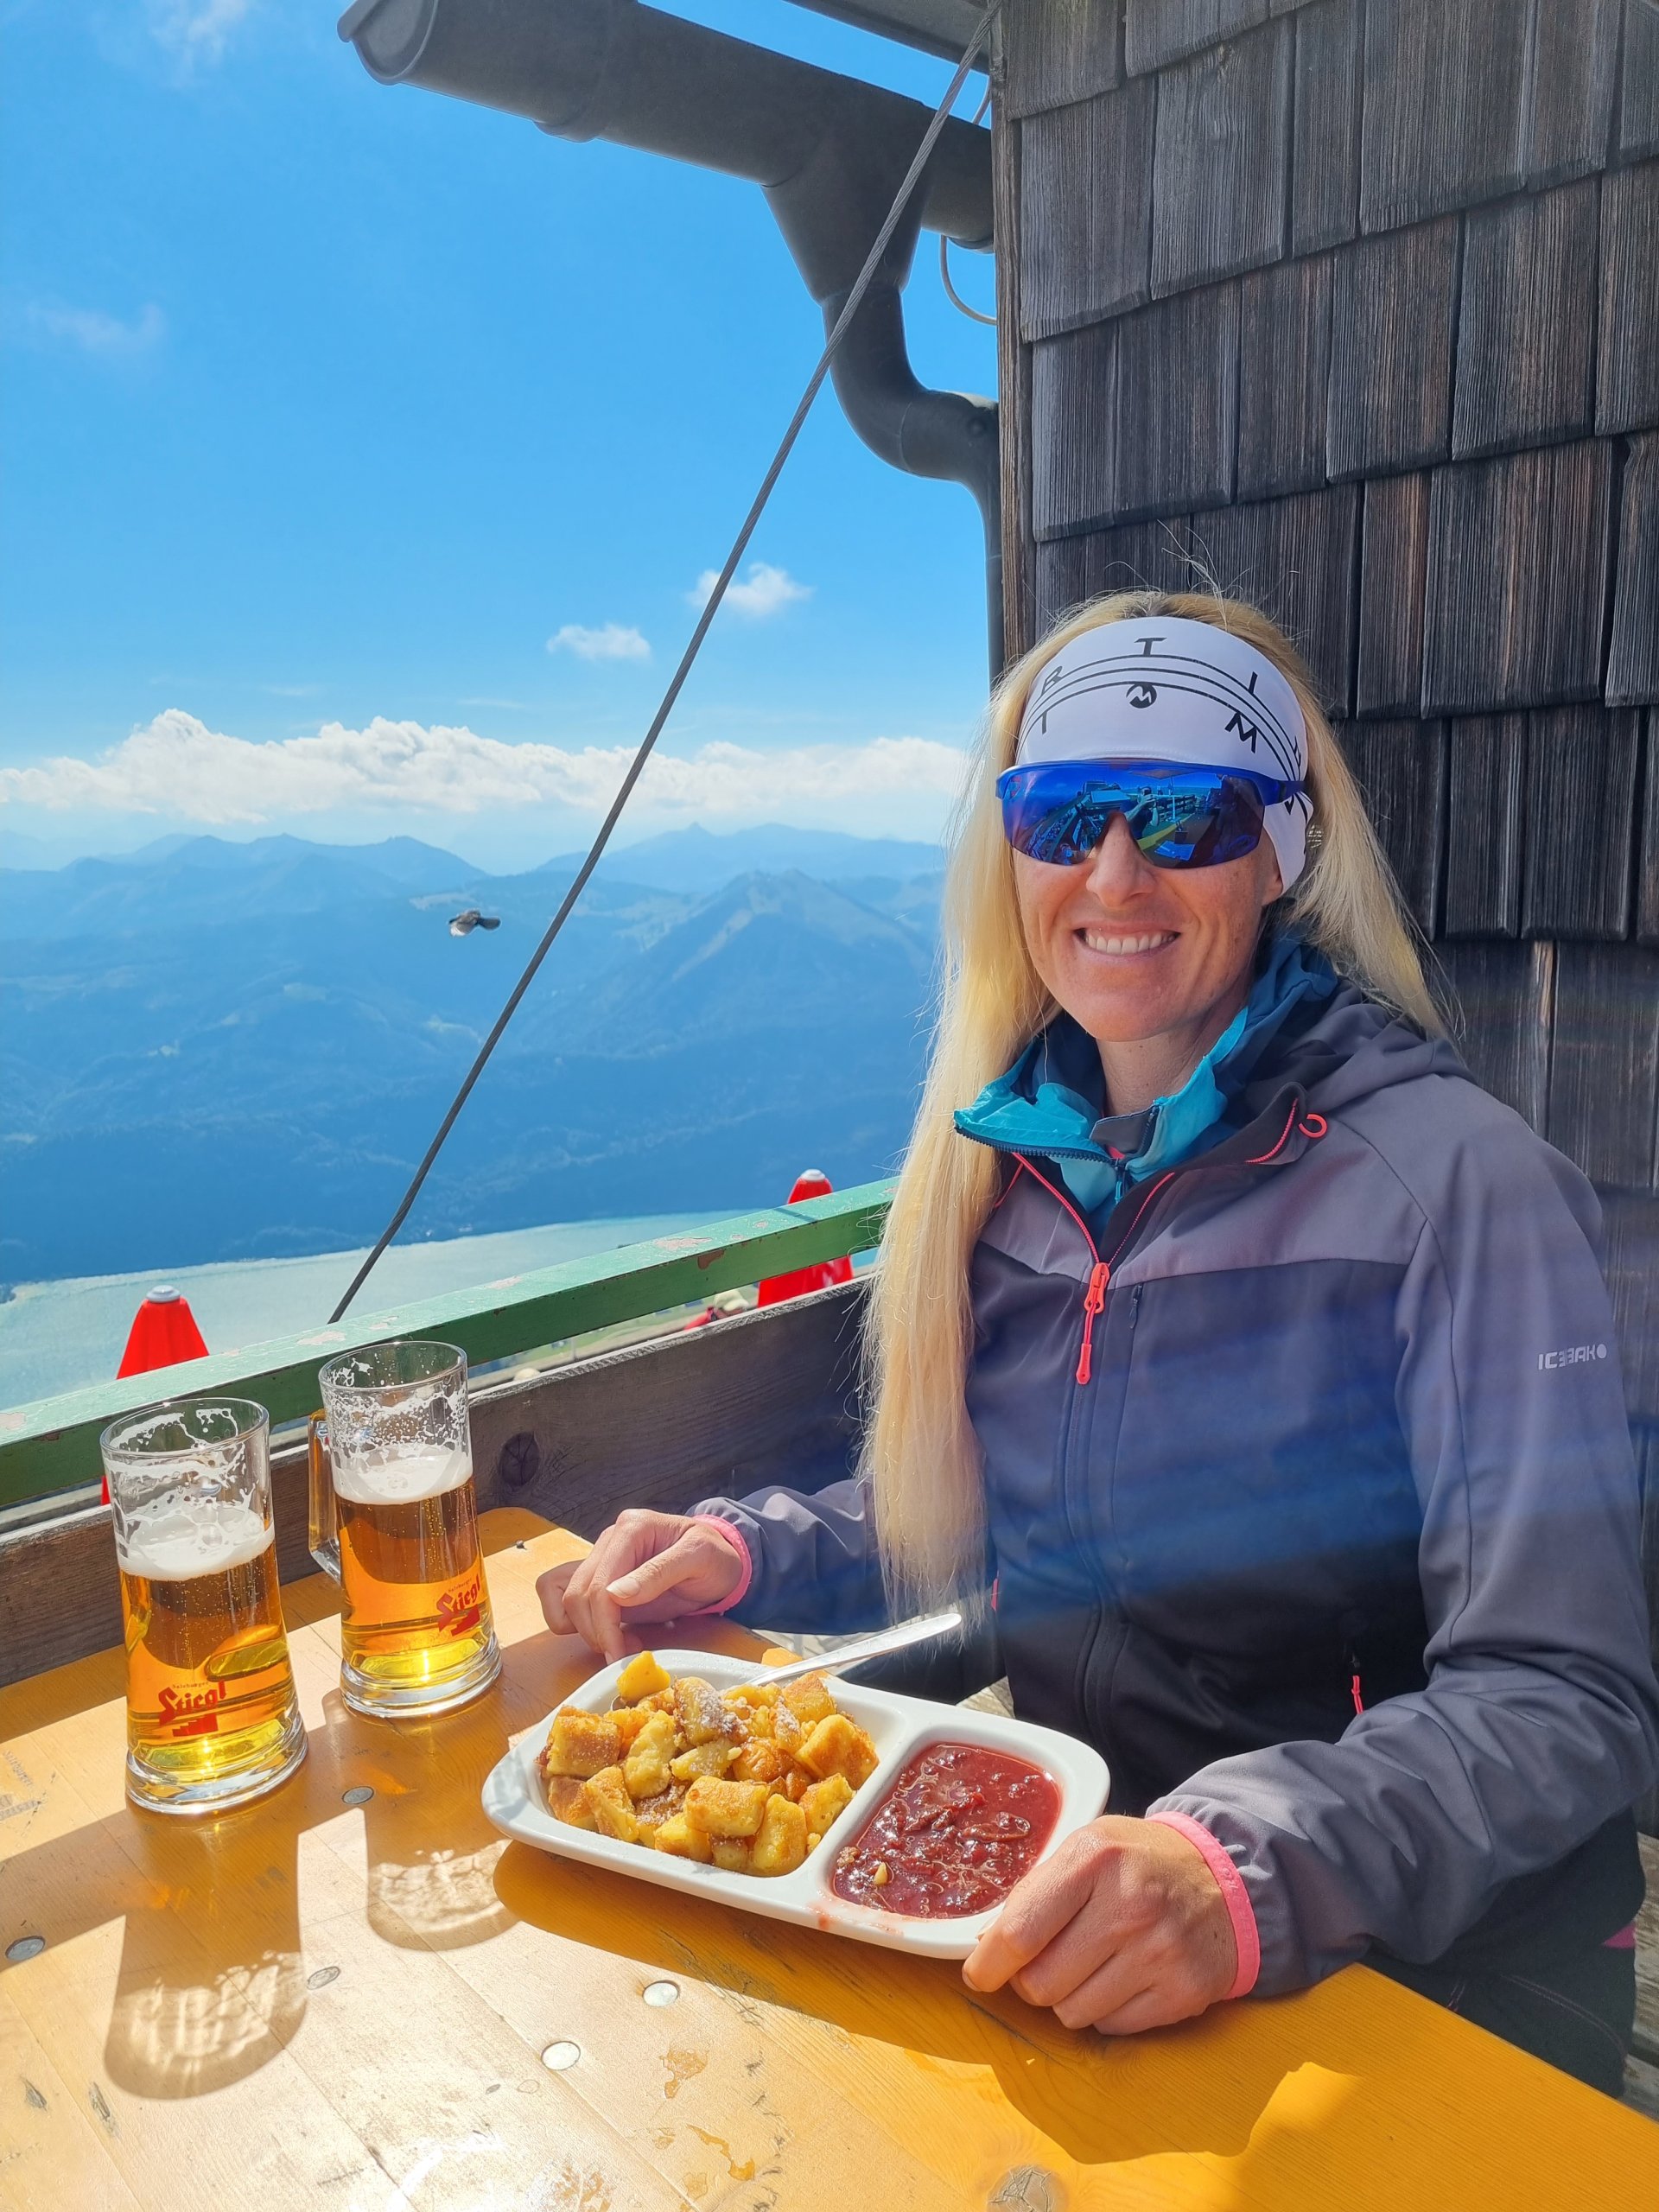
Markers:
1098,941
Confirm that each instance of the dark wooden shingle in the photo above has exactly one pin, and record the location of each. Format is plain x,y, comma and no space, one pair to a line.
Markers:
1284,352
1073,417
1219,170
1295,559
1485,788
1324,127
1393,571
1135,416
1646,862
1526,332
1157,31
1139,557
1400,769
1628,376
1390,397
1605,1061
1085,216
1504,995
1638,122
1581,764
1142,556
1575,66
1630,1260
1178,399
1057,51
1633,652
1517,579
1061,574
1443,122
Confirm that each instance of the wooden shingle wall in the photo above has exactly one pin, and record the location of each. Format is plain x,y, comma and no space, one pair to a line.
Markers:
1352,307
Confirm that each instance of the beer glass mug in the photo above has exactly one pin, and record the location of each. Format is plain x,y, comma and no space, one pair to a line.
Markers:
212,1717
394,1519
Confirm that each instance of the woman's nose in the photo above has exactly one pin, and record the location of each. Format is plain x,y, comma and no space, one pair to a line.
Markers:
1117,868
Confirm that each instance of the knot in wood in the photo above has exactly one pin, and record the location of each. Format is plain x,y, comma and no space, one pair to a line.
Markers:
520,1460
1027,2188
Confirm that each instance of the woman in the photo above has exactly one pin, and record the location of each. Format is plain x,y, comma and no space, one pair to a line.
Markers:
1259,1364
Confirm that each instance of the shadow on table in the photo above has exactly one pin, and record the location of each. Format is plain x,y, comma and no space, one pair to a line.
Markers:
1219,2086
214,1967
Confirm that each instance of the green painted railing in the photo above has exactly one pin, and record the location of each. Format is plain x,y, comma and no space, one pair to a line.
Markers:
53,1444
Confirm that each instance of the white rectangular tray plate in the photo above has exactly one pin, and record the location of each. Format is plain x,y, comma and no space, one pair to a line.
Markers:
898,1726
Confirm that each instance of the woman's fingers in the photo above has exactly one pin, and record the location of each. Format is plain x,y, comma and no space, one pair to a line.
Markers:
595,1614
590,1612
646,1568
698,1569
1125,1928
1113,1990
1169,1998
1040,1907
549,1589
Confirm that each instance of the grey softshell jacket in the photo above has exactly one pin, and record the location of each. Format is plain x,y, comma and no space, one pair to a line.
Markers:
1330,1541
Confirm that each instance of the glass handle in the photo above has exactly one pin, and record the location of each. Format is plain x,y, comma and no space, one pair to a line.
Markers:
324,1530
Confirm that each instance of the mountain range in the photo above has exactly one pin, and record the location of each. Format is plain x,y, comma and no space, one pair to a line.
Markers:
214,1051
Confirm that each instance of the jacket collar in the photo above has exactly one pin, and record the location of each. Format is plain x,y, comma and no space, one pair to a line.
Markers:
1051,1101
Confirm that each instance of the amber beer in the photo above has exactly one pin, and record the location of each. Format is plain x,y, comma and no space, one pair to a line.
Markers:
395,1460
212,1715
416,1613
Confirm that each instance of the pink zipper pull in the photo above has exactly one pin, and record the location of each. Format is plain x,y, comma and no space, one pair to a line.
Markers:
1359,1702
1099,1276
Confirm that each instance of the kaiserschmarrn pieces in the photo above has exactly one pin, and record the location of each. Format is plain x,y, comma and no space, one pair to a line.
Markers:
750,1779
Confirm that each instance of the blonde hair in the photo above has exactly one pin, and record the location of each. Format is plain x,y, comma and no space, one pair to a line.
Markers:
920,1456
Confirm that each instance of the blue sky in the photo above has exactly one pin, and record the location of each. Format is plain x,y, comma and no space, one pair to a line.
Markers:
328,406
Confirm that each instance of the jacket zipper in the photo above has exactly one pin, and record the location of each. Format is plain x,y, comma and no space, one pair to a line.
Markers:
1100,1274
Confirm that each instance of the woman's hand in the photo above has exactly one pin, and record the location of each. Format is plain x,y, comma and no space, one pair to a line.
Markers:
646,1568
1124,1928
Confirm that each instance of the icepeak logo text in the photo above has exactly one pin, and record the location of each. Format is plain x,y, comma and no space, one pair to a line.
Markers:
1572,1356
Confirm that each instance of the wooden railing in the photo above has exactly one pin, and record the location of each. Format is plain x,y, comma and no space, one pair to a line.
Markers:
52,1447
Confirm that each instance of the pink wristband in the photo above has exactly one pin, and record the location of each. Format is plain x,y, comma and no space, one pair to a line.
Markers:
734,1536
1239,1910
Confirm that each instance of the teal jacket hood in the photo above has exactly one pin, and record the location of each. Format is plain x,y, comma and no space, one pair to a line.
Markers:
1052,1101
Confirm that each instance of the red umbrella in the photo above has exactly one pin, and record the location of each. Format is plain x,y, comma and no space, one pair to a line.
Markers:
814,1184
163,1332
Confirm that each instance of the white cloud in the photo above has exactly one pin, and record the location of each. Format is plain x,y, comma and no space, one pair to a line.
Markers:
611,641
94,332
195,30
764,591
176,768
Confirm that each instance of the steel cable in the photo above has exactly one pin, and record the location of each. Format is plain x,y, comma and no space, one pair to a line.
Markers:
711,607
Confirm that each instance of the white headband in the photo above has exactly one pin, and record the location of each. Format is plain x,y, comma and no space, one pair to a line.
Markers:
1162,688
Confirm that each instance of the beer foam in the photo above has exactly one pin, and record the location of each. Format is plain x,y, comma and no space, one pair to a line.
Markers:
177,1536
401,1478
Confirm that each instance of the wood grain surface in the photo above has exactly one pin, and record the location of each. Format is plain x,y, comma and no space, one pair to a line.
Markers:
1055,55
1085,210
306,2003
1527,324
1486,797
1324,127
1221,169
1574,69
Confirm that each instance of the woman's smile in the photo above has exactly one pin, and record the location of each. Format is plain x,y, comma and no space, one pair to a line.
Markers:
1154,962
1120,946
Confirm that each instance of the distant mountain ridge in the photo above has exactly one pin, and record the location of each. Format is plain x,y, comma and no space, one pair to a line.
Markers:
239,1050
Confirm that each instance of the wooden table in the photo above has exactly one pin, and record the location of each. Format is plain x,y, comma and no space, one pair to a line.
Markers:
313,2004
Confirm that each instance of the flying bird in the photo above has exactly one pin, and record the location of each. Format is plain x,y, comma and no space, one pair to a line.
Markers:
464,925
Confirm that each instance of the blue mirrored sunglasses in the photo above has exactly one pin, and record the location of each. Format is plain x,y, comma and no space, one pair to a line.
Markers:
1179,817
